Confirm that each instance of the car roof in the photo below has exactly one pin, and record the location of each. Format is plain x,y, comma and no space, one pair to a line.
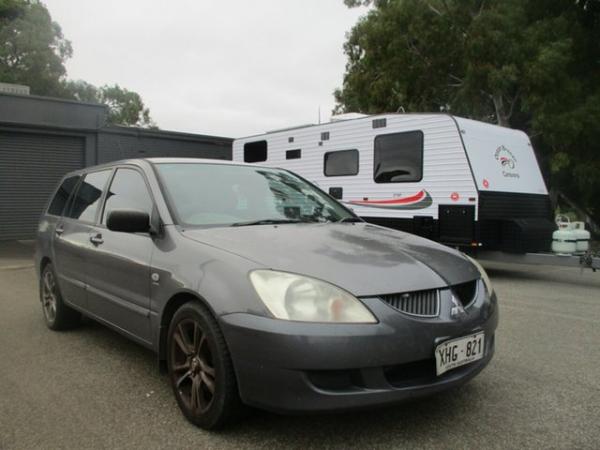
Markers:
167,160
158,160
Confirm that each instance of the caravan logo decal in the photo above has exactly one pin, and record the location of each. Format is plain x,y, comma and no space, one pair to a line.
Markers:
508,162
420,200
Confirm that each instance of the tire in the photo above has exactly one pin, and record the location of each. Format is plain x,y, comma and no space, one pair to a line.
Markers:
57,315
200,368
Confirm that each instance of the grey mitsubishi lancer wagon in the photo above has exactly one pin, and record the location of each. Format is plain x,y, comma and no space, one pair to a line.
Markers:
256,288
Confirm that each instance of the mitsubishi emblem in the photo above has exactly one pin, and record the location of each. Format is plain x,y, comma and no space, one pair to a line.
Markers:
457,308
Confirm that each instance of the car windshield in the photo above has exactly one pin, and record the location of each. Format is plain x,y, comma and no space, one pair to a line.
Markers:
218,194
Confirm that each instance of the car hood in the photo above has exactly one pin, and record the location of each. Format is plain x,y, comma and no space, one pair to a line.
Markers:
364,259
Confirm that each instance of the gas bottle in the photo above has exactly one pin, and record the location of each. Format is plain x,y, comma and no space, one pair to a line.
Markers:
582,237
563,239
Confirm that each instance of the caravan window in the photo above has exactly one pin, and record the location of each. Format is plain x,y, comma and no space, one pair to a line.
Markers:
398,157
344,162
255,151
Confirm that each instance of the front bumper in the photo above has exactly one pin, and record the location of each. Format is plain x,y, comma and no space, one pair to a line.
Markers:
291,367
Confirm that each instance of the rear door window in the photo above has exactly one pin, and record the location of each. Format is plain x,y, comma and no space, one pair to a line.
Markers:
339,163
128,190
57,206
398,157
87,199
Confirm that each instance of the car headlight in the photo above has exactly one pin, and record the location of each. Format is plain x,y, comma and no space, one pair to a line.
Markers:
484,276
296,297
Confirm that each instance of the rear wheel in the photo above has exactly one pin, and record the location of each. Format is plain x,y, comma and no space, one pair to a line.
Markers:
57,315
200,368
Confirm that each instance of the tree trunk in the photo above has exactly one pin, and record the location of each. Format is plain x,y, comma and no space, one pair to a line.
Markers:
501,115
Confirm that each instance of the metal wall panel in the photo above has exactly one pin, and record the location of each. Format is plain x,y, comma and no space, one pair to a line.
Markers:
30,167
121,143
31,110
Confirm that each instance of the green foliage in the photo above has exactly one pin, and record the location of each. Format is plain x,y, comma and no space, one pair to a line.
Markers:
82,91
11,9
125,107
32,47
527,64
33,52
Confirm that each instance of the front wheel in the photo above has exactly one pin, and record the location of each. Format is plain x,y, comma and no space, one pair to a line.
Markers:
200,368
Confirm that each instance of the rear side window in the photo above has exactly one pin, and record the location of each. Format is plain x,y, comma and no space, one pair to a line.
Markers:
127,191
343,162
255,151
398,157
86,200
61,197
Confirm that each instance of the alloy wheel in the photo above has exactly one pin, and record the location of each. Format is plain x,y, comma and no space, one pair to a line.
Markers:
192,366
49,299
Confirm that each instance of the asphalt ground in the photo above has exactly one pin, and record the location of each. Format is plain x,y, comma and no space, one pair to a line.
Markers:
91,388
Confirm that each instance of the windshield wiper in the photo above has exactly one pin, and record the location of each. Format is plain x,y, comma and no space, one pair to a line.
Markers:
349,220
265,222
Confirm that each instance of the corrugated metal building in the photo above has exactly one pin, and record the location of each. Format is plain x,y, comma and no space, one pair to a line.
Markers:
43,138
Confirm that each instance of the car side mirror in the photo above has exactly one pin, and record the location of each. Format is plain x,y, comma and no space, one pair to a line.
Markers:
128,221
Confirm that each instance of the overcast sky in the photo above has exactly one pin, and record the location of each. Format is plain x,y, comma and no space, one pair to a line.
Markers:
229,68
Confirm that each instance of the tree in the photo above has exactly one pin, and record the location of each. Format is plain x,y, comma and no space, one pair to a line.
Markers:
32,47
527,64
10,9
33,52
82,91
125,107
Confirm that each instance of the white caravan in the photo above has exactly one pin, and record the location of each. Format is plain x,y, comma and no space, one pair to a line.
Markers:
454,180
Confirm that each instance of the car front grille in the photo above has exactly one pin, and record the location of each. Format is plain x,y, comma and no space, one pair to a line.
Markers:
417,303
426,303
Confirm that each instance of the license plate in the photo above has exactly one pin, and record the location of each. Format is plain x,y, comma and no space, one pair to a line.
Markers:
458,352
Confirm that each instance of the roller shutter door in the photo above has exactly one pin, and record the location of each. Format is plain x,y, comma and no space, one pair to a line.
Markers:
30,167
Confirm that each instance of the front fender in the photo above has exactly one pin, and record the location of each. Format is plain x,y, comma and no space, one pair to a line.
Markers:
182,267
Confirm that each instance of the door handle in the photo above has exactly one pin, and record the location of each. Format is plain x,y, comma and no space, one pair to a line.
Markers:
96,239
59,230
